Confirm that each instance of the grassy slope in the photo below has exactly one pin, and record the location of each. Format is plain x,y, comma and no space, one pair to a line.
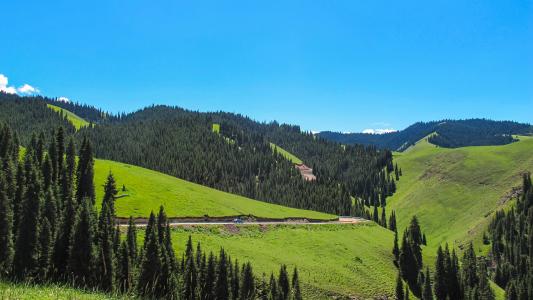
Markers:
455,191
74,119
147,190
286,154
30,292
331,259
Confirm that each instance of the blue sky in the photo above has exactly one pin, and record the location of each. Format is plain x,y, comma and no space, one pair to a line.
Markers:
325,65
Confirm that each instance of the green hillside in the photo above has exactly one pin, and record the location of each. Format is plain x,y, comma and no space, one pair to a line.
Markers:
353,260
146,190
286,154
455,191
74,119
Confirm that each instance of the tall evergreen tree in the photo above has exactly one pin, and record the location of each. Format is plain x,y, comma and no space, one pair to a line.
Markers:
283,282
85,173
247,286
6,230
106,255
45,249
441,290
131,239
151,265
25,261
399,288
124,269
221,286
296,293
82,257
427,293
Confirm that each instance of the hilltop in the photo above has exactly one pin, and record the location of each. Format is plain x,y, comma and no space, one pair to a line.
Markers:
455,192
448,133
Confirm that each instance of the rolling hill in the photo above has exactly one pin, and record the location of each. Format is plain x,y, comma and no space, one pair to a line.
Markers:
146,190
454,192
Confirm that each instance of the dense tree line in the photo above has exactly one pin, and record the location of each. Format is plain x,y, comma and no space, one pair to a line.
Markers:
238,160
511,235
449,134
50,232
468,279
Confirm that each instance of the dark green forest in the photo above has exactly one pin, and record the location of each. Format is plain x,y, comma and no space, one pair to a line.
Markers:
449,134
51,232
511,237
239,160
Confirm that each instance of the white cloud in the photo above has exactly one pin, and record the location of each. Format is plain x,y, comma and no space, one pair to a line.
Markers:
3,85
24,89
63,99
27,89
379,131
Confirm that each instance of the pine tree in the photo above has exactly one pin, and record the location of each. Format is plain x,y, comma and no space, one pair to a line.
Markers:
106,257
469,269
189,274
274,291
62,245
85,173
484,290
45,249
392,221
110,192
383,218
221,286
247,286
235,280
283,282
131,239
207,290
441,291
27,245
82,257
124,269
151,265
396,250
50,211
296,293
60,144
262,289
427,293
399,288
6,230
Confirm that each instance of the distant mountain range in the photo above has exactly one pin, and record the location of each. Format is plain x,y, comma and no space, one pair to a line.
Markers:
444,133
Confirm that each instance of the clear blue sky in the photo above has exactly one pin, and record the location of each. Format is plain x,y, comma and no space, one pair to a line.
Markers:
338,65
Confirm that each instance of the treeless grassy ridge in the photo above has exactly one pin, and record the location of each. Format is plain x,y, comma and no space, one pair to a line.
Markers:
332,259
291,157
74,119
455,192
146,190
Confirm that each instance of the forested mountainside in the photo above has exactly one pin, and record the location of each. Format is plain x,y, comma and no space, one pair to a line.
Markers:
448,133
511,237
50,232
238,160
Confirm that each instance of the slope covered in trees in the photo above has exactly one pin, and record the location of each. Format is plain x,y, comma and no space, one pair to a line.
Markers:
182,144
449,134
50,232
511,238
460,187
